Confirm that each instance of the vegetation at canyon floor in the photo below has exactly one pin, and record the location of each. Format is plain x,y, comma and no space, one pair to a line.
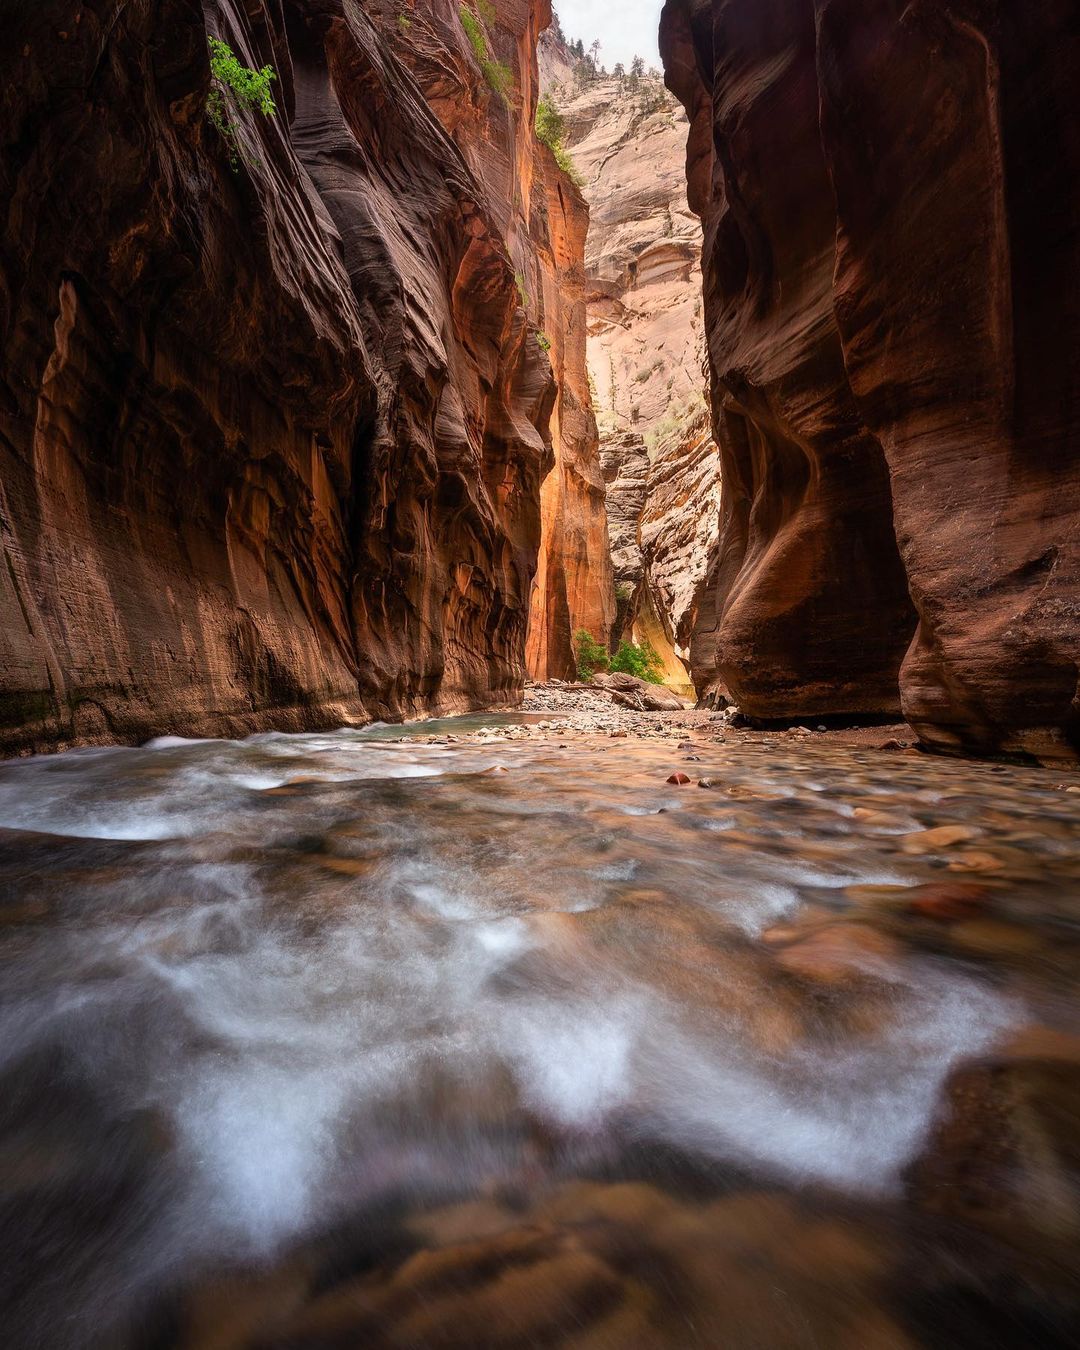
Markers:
630,658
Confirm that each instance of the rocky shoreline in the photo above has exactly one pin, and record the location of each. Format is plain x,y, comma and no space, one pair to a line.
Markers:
601,709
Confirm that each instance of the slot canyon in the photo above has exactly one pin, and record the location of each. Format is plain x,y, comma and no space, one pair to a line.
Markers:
539,675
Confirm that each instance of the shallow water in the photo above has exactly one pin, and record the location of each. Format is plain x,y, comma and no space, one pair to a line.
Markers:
340,1040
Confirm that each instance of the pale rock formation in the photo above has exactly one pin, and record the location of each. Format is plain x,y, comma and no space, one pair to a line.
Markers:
646,346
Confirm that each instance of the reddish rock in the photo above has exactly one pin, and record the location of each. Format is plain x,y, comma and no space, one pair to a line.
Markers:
545,220
679,779
949,901
838,952
891,262
574,587
1004,1156
271,441
807,609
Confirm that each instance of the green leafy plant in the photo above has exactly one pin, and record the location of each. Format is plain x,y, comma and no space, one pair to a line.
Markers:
551,131
590,655
498,74
237,89
523,294
474,31
543,341
640,661
404,22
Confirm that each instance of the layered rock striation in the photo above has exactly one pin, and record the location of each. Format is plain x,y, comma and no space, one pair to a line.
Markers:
892,248
271,439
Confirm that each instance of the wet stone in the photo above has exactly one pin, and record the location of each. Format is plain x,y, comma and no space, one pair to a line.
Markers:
415,1053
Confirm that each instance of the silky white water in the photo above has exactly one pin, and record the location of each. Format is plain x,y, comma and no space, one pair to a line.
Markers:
336,970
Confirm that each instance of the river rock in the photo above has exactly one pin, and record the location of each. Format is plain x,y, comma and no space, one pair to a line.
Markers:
941,836
839,952
1004,1155
950,901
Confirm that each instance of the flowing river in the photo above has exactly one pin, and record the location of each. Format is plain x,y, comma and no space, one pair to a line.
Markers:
350,1040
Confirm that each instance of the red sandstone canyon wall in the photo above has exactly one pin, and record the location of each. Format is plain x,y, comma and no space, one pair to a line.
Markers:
575,584
545,220
272,440
892,299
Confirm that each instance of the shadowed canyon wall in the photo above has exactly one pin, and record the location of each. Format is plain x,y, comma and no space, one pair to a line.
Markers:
892,305
272,440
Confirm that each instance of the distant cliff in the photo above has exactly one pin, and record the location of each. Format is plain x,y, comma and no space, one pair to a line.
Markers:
892,256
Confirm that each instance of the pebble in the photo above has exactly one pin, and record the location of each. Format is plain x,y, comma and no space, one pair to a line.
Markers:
679,779
950,902
945,836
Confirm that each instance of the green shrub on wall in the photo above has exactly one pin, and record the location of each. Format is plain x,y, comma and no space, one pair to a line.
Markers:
551,131
236,88
498,74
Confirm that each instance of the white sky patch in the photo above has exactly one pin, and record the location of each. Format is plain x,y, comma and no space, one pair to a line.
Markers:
625,30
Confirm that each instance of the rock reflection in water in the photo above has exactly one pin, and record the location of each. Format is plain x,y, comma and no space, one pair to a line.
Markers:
339,1041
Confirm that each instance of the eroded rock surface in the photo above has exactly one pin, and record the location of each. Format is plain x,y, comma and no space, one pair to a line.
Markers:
891,257
271,441
679,531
